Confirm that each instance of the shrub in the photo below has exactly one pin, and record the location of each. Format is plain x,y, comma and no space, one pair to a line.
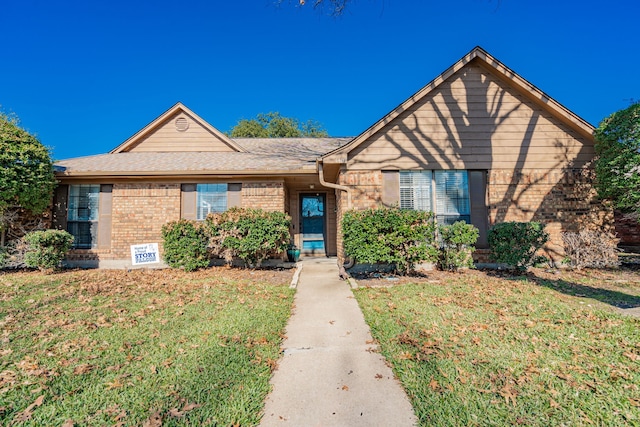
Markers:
403,238
457,244
185,245
46,249
516,243
249,234
591,249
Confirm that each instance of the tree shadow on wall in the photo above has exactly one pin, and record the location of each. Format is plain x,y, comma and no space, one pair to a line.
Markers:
475,121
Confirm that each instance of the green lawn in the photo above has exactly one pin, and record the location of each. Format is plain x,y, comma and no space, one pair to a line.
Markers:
488,349
144,347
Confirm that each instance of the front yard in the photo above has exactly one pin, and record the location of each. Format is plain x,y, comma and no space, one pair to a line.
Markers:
484,348
91,348
139,348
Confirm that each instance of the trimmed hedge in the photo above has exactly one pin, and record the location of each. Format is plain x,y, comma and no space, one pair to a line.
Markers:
249,234
458,243
516,243
403,238
46,249
185,245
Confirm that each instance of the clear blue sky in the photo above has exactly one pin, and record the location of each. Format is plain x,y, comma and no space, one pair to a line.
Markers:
85,75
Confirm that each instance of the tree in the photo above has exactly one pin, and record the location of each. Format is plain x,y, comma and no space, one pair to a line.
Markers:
618,159
274,125
335,7
26,172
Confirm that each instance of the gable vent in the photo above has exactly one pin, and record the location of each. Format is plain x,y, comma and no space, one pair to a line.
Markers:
182,124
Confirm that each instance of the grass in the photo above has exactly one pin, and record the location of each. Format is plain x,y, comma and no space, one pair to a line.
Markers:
483,349
139,348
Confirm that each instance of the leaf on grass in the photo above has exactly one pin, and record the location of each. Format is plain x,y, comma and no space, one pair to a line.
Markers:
155,420
153,369
190,406
83,369
631,356
27,413
405,355
69,423
634,402
553,403
114,384
509,394
433,385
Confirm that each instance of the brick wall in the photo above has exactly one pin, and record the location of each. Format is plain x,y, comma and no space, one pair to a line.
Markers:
627,229
139,212
562,199
269,196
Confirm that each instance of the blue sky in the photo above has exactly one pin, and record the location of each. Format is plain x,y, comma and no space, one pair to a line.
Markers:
85,75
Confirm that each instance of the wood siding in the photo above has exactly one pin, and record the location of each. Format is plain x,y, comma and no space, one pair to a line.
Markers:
166,137
474,120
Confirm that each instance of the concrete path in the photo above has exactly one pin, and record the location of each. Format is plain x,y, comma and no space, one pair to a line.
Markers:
330,374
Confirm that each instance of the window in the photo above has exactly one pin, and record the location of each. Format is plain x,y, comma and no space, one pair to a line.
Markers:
444,192
82,216
211,198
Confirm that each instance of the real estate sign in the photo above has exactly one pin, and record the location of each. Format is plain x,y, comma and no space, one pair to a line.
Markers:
146,253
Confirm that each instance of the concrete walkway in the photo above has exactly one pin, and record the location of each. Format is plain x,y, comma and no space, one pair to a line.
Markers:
329,375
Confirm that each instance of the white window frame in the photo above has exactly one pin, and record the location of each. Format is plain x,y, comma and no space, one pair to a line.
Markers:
210,198
427,190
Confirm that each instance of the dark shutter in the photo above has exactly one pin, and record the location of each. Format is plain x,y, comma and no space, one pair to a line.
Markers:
105,206
479,213
188,202
390,188
60,201
234,195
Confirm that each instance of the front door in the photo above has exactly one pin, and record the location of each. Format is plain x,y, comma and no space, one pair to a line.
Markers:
312,223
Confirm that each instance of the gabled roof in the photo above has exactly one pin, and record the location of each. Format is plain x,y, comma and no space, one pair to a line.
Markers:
490,63
177,108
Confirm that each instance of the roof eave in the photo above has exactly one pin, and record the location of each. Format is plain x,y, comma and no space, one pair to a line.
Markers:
177,174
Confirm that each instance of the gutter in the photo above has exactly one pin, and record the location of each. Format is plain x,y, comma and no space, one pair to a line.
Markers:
335,186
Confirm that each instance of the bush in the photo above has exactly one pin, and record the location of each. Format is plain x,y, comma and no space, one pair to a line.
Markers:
403,238
457,244
591,249
46,249
249,234
516,243
185,245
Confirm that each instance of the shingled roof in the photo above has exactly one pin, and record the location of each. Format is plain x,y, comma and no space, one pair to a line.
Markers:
262,156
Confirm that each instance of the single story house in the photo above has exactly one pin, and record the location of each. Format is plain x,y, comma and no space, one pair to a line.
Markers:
478,143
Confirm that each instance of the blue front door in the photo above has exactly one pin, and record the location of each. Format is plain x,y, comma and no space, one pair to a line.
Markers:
312,208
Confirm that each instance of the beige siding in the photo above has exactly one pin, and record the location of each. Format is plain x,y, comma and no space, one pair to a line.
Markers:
473,121
167,137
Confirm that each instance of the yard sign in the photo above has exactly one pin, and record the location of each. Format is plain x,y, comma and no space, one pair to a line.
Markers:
146,253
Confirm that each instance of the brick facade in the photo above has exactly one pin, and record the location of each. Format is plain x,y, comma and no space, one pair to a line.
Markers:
628,230
269,196
139,212
562,199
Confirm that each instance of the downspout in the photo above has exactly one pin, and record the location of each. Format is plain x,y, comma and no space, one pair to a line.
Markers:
335,186
346,189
